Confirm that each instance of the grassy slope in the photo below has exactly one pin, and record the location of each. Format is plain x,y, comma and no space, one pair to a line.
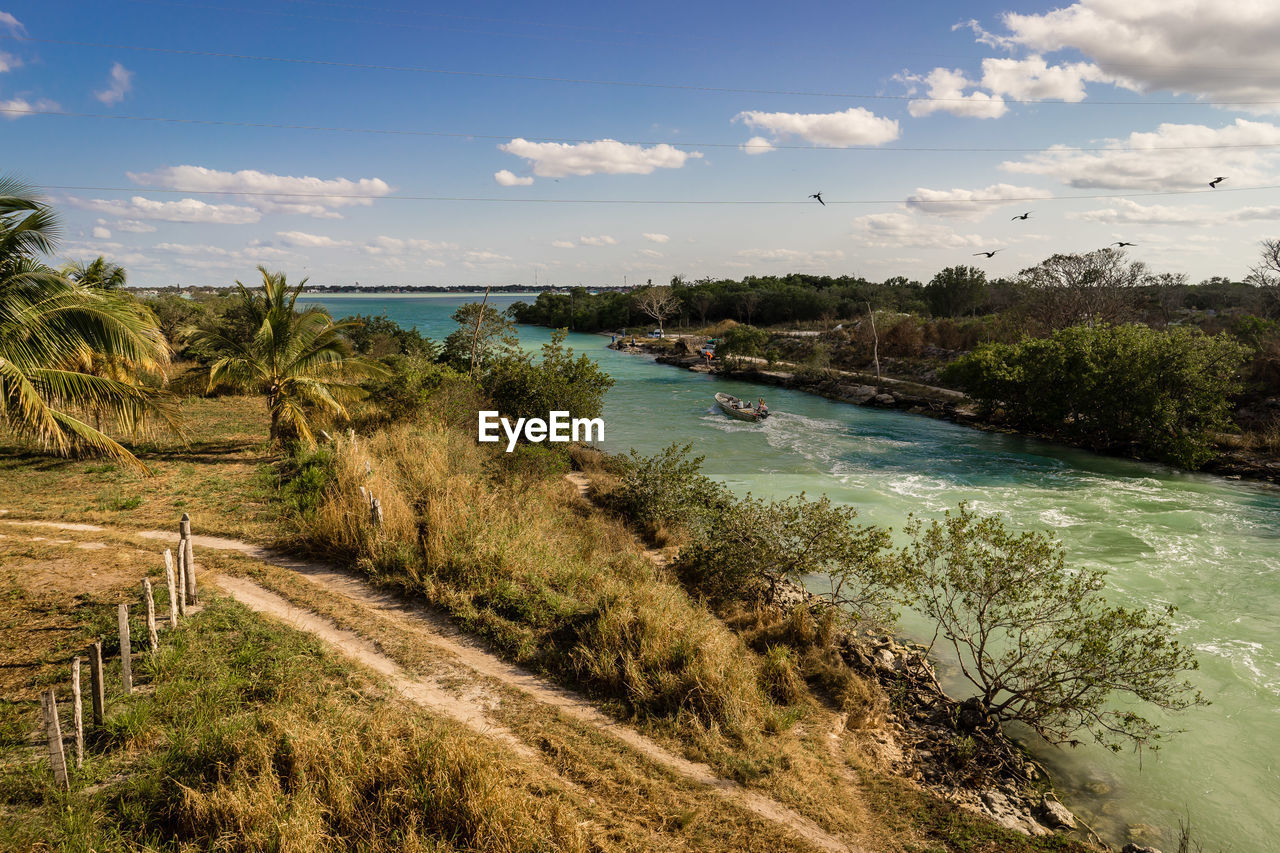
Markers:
223,484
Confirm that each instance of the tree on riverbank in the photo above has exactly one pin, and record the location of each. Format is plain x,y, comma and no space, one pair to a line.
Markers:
298,360
1037,639
1162,393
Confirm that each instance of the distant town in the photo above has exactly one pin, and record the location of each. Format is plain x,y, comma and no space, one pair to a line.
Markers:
312,289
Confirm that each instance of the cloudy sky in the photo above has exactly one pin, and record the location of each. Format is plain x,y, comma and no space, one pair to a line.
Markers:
484,142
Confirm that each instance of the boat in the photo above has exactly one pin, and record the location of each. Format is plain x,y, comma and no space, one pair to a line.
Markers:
740,409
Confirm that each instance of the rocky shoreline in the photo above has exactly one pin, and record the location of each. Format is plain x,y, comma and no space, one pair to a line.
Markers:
945,746
911,397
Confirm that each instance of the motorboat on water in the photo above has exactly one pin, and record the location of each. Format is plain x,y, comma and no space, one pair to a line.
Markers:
740,409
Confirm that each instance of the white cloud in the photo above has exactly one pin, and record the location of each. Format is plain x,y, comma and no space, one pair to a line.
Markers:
791,256
8,62
1199,156
185,210
119,84
899,230
12,24
507,178
757,145
656,238
310,241
190,249
960,203
649,253
564,244
133,226
398,246
1126,211
605,156
854,126
1032,79
1222,51
18,107
947,87
306,195
602,240
100,233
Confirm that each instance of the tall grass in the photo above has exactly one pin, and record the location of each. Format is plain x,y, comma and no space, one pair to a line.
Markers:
507,548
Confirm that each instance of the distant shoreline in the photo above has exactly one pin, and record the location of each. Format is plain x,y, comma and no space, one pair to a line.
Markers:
407,295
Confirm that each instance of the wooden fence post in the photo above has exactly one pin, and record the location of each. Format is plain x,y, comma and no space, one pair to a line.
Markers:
126,650
182,579
77,706
375,512
53,732
96,687
190,563
173,592
149,600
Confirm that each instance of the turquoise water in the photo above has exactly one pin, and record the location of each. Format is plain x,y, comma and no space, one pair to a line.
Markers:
1207,545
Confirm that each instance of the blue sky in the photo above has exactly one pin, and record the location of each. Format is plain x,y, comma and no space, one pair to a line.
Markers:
1076,86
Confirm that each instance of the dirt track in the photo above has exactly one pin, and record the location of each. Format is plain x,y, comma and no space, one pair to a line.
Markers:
470,709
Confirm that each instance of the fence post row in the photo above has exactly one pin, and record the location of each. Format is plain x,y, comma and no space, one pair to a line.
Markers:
184,532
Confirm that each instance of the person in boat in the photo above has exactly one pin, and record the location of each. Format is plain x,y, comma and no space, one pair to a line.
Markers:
762,408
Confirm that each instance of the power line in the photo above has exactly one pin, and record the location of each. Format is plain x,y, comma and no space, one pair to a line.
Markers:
518,200
579,140
635,84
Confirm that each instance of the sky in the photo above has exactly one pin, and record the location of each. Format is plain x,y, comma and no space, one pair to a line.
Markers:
388,142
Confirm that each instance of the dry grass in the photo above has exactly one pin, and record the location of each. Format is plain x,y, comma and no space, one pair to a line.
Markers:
538,573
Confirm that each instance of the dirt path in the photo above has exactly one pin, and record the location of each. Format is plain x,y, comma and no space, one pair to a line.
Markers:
429,693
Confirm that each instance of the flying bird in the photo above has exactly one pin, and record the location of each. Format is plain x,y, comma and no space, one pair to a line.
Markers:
1214,183
1026,215
1121,244
818,196
988,254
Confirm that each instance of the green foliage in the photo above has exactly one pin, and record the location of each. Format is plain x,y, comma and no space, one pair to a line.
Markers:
667,489
1162,394
742,340
379,337
1037,639
956,291
305,477
495,338
562,380
409,387
750,545
71,352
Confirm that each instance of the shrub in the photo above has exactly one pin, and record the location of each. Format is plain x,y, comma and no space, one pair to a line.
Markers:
522,387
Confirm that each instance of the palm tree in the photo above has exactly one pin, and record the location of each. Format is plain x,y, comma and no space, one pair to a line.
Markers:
99,273
52,331
299,360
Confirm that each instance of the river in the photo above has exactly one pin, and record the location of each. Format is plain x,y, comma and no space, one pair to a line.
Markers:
1209,546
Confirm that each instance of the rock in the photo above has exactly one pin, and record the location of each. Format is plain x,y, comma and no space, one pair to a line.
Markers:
971,716
886,660
1138,848
1139,832
1055,814
700,368
885,399
1097,788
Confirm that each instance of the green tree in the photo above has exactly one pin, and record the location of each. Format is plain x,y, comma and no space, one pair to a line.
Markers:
956,291
99,273
742,340
53,332
562,380
299,361
1160,393
1038,640
495,337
